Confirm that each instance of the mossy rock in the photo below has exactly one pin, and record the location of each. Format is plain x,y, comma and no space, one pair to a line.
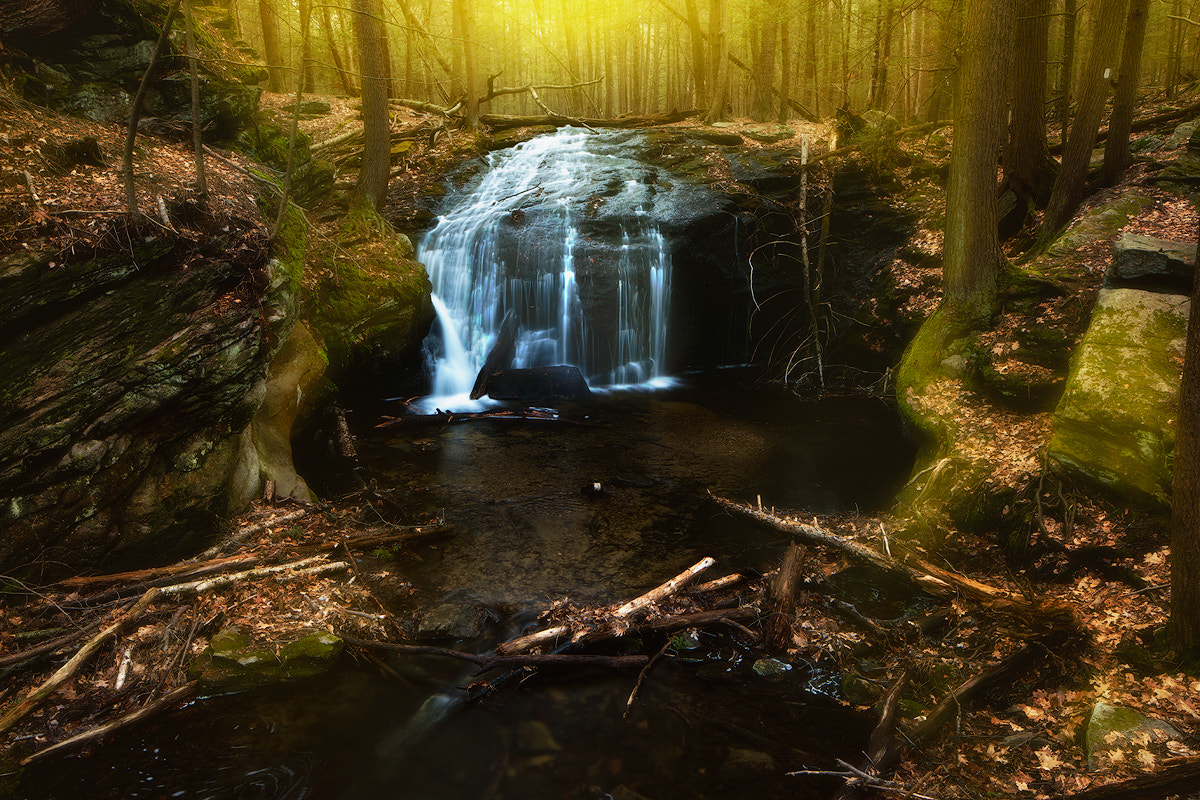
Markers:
1114,726
1114,427
231,663
368,294
769,134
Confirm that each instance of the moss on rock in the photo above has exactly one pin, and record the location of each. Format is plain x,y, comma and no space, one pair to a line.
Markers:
1114,426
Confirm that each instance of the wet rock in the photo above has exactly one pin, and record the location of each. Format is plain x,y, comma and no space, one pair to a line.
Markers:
1115,726
1144,262
539,385
231,663
534,737
1114,427
770,667
453,620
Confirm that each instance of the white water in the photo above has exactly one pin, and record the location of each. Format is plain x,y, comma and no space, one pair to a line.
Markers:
558,302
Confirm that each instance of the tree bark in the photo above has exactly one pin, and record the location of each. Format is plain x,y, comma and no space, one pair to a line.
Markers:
718,40
348,85
272,51
1184,624
699,68
464,14
1116,146
1070,186
972,259
1029,169
376,158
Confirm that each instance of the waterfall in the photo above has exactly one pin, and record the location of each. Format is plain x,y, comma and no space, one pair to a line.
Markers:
560,235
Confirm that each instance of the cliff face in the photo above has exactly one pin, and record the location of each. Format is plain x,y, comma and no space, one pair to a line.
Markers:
131,376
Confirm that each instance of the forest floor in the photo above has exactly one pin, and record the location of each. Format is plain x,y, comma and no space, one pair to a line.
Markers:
1109,565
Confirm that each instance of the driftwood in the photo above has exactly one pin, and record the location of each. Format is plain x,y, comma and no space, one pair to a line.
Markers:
487,663
167,701
615,618
66,671
920,573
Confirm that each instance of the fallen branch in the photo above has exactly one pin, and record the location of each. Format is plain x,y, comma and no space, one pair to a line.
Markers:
619,614
242,534
880,744
173,571
920,573
301,568
487,663
66,671
163,703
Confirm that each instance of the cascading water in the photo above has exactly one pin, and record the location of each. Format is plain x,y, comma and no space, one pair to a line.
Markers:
525,240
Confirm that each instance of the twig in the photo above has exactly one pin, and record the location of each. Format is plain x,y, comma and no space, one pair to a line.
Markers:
642,677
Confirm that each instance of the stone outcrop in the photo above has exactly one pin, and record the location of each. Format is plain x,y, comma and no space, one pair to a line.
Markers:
1144,262
1114,426
132,378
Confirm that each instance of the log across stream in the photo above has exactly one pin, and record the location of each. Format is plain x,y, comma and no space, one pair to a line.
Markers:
598,505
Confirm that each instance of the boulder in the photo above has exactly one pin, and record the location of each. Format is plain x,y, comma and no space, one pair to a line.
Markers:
1144,262
539,385
1116,726
231,663
1114,426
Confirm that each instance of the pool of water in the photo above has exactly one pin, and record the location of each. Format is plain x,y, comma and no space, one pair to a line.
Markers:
531,528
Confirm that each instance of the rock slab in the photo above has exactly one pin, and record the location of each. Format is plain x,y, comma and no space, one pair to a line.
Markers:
1115,425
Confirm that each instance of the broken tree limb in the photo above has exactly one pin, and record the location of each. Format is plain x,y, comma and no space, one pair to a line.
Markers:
167,701
932,579
490,662
66,671
881,742
301,568
665,590
617,615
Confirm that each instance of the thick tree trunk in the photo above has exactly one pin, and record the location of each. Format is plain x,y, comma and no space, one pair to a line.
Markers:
1066,75
972,259
1069,188
464,13
1029,169
272,50
699,68
1116,146
718,40
376,159
1185,500
764,68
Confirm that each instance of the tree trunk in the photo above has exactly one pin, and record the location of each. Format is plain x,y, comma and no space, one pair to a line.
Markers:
1069,188
718,39
810,58
464,13
785,55
376,158
1116,146
1029,169
271,47
1066,75
699,70
972,259
764,68
348,85
945,75
1185,499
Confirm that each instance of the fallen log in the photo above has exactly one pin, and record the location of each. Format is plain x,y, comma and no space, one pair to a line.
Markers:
558,121
1170,779
167,701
